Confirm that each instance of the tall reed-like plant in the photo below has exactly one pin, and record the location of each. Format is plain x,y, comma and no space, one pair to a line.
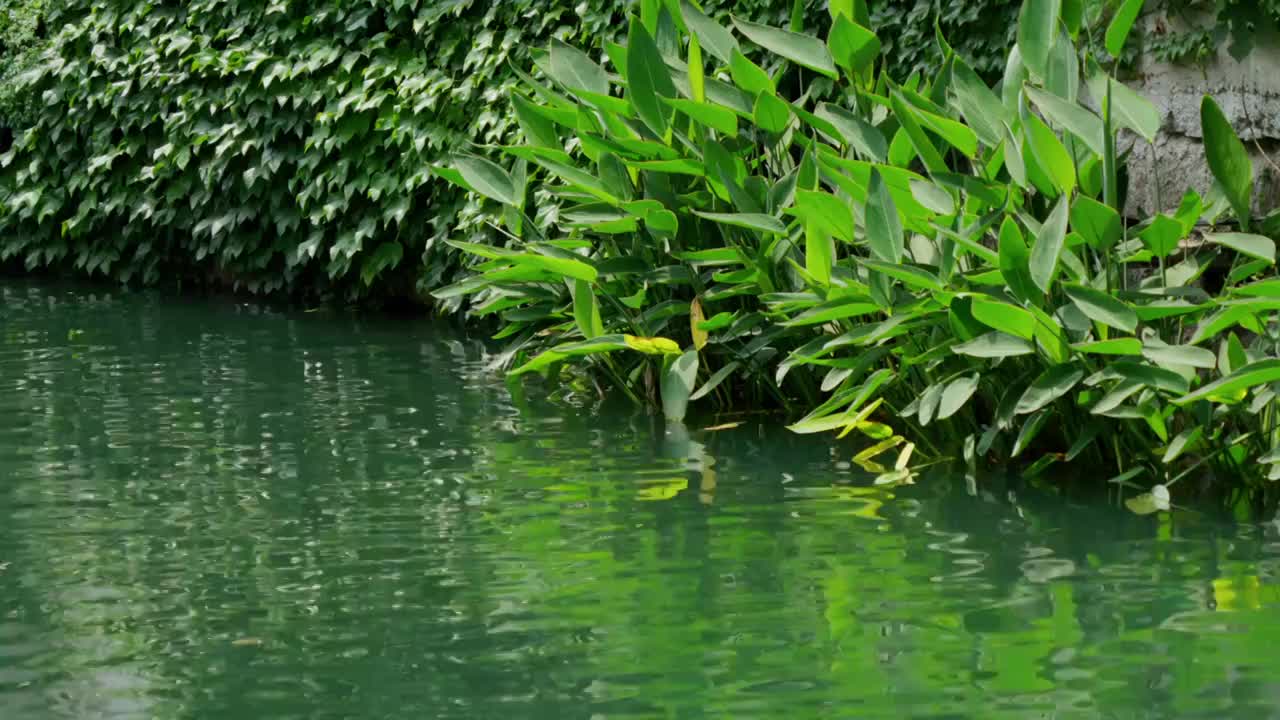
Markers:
934,262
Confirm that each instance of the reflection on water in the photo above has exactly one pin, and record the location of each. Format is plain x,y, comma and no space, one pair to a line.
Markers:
210,510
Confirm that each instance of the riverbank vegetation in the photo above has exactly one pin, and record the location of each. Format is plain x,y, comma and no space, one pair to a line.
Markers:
932,262
699,209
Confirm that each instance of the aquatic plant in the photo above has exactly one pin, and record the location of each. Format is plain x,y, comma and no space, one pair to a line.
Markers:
934,262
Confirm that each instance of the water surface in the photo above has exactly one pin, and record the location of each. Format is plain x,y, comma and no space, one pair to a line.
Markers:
212,510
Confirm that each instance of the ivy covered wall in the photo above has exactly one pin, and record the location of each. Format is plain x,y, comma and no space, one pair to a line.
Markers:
284,146
23,36
278,145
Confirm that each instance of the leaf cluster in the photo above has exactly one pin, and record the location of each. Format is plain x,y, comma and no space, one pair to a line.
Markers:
936,261
271,145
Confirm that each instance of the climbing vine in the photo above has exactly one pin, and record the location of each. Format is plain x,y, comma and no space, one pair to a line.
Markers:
1206,25
274,145
22,38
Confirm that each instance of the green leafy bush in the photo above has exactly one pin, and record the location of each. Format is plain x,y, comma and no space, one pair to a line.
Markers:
1211,24
273,145
21,42
282,146
935,260
982,32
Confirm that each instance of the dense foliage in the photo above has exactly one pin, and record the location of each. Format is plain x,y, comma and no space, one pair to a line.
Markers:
274,145
938,260
280,146
1210,25
22,39
981,31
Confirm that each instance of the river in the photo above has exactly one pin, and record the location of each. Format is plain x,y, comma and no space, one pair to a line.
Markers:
215,510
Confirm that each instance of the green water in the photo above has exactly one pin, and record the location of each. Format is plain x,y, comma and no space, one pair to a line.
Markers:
211,510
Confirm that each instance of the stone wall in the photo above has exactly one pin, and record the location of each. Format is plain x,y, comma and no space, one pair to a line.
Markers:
1248,92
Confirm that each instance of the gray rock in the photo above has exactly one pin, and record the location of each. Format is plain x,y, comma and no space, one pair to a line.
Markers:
1248,92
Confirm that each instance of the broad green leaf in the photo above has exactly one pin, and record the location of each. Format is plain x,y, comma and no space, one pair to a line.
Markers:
1037,32
933,197
488,179
1128,108
578,178
960,318
715,380
801,49
575,70
1262,288
604,344
1050,153
853,46
608,105
1050,335
719,321
822,125
1015,262
537,128
677,385
1225,318
670,167
720,119
855,132
884,227
749,221
924,147
1240,381
819,252
1029,432
1006,318
771,114
956,134
647,79
1190,208
1047,251
1097,223
451,175
725,94
834,310
586,311
652,345
1162,236
1186,440
713,256
855,10
1148,375
1071,116
980,106
1119,346
929,400
829,212
1233,356
715,38
1062,77
750,77
1121,24
573,269
994,345
1254,246
1051,385
1103,308
1185,355
1228,159
956,394
906,274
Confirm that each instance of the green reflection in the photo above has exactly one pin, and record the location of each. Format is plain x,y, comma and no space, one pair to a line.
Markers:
217,511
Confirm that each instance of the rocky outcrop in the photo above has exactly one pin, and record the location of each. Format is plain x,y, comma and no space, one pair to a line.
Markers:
1248,92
